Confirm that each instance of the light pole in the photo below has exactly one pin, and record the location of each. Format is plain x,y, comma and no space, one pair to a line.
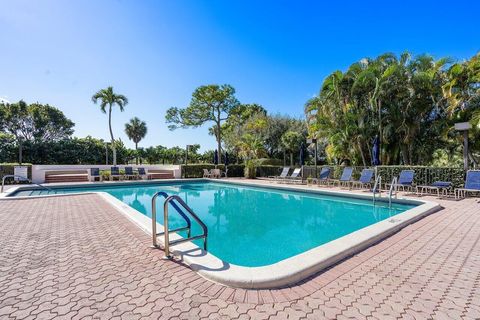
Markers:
314,141
464,127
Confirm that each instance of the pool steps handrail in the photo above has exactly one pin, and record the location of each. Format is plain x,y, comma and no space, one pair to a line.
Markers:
377,187
21,178
393,189
166,233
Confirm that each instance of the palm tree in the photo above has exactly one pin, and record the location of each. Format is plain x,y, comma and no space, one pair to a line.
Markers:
109,98
136,130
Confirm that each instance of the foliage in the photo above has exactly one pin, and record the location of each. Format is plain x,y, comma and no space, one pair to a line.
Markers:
411,103
136,130
250,169
291,141
34,122
109,99
210,103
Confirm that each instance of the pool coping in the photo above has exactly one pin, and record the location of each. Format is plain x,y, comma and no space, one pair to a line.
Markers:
279,274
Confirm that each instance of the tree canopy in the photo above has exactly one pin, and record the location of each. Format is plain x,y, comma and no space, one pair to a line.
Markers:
209,103
34,122
410,102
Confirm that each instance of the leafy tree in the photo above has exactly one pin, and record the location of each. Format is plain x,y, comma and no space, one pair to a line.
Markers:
136,130
291,141
35,122
210,103
398,98
108,98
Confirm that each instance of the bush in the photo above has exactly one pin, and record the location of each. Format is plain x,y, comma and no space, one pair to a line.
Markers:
250,169
423,175
269,162
196,170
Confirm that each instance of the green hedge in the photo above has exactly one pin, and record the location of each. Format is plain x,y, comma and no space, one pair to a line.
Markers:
7,169
423,175
196,170
234,170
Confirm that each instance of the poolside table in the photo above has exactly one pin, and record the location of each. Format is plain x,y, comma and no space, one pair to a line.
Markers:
438,186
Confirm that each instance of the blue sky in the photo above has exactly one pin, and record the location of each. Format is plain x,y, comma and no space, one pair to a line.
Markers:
275,53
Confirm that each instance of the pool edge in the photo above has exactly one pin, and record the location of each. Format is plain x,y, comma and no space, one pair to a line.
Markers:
285,272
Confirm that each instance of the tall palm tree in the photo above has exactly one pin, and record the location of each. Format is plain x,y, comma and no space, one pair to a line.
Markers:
110,99
136,130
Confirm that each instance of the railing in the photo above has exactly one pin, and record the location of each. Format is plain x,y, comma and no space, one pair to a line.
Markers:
20,178
166,233
393,188
377,187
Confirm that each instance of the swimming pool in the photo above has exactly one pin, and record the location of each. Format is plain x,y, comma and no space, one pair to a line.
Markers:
253,226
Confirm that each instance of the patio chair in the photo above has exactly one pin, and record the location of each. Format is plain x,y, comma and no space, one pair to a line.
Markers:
472,184
95,174
324,176
439,186
216,173
129,173
345,178
294,177
142,173
282,175
206,173
365,179
115,173
405,180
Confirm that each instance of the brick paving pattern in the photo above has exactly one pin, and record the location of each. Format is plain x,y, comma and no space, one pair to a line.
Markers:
75,257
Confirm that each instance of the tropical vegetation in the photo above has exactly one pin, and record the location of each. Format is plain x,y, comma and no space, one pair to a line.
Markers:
410,102
109,99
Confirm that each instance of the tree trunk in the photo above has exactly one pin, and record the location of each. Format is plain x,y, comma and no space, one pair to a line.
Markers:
136,153
405,154
361,153
219,139
380,136
291,159
111,135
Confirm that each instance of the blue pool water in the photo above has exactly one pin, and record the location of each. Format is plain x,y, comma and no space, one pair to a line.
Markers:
253,226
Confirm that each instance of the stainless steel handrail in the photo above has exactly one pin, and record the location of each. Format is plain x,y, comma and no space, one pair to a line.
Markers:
21,179
393,187
166,233
378,184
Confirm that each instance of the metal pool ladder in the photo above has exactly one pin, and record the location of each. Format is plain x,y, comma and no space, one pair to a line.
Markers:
174,199
377,187
20,178
393,189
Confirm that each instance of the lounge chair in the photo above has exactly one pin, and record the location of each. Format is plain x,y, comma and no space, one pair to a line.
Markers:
345,178
472,184
438,186
324,176
142,173
405,180
206,173
129,173
95,174
294,177
216,173
115,173
365,179
282,175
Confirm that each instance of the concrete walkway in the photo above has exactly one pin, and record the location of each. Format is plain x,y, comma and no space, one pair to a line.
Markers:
76,257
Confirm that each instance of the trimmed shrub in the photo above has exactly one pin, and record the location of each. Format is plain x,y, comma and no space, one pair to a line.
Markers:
423,175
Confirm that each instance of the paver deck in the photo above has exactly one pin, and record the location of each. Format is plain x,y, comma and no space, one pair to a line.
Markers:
76,257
